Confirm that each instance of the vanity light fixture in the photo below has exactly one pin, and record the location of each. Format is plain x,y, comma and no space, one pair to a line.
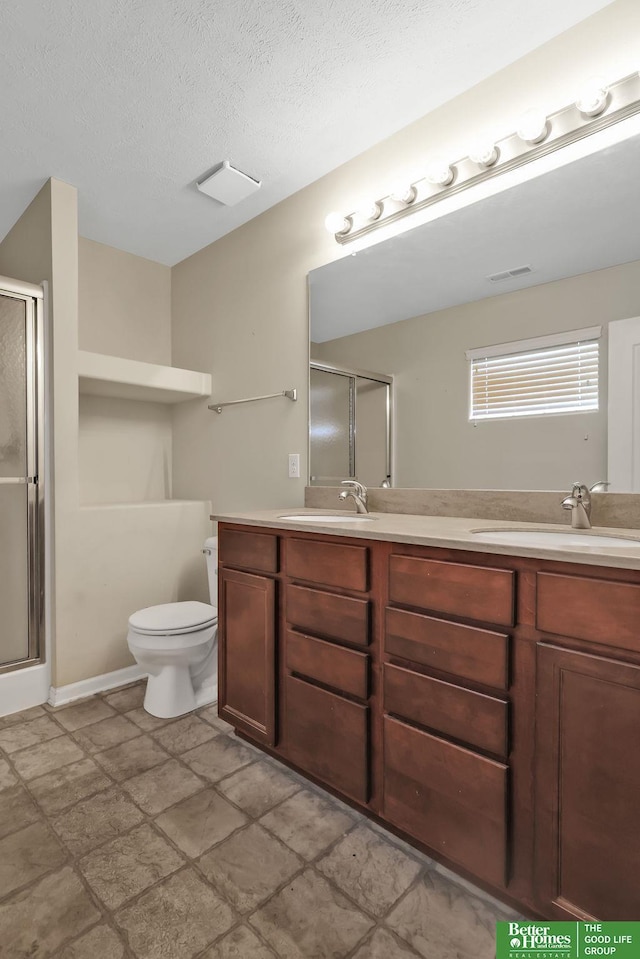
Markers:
440,172
593,98
484,153
533,126
403,192
599,106
338,224
370,209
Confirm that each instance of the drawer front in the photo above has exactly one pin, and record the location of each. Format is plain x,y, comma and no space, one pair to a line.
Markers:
584,608
255,551
328,564
465,651
471,592
472,717
328,737
344,669
447,797
342,618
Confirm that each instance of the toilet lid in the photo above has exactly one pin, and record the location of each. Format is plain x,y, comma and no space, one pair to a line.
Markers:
173,617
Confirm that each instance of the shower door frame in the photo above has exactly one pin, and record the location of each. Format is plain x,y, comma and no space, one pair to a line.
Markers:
33,298
354,374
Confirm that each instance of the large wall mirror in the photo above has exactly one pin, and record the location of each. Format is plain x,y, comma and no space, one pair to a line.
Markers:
526,288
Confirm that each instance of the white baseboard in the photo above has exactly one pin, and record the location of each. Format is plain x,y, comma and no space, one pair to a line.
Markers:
61,695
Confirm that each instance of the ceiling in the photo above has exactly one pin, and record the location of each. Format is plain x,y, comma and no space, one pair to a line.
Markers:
576,219
131,101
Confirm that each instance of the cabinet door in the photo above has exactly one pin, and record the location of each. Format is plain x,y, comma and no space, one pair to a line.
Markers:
328,736
588,784
450,798
247,653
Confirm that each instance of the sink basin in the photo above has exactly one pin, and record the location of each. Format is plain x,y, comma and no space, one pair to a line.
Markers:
328,518
552,537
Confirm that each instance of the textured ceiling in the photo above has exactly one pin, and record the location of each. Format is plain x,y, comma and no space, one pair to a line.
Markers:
576,219
133,100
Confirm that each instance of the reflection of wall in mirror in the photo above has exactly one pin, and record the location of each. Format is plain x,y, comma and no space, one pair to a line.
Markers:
435,444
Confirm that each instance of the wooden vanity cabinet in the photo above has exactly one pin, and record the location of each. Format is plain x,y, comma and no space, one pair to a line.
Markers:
587,856
247,624
485,707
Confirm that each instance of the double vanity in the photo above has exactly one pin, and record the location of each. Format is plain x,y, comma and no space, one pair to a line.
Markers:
473,686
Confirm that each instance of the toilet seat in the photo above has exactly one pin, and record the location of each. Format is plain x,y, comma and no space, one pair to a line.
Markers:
173,619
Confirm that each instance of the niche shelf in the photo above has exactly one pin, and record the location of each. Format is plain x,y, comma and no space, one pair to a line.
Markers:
113,376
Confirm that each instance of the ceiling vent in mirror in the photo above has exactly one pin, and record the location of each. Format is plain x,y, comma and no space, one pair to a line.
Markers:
228,185
510,274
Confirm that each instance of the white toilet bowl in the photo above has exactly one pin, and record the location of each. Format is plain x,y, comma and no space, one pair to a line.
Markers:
177,646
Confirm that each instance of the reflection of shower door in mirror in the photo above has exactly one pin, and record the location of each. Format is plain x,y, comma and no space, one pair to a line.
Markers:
349,426
20,492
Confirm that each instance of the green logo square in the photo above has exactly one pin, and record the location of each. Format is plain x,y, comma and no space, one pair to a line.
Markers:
567,940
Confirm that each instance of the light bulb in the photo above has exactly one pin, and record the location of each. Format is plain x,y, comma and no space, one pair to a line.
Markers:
338,223
370,209
484,153
593,98
439,172
403,192
533,126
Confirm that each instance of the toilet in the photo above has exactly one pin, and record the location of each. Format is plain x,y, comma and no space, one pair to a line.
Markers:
177,645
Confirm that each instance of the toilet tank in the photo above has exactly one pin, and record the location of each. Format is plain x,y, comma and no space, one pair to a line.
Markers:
210,550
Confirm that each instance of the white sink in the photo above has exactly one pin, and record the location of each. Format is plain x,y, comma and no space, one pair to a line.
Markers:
553,537
328,518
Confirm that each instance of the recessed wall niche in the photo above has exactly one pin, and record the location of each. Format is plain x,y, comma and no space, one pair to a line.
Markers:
124,451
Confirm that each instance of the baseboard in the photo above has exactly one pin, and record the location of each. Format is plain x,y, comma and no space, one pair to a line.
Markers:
61,695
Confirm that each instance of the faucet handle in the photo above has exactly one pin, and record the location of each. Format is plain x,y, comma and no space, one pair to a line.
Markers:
600,487
356,486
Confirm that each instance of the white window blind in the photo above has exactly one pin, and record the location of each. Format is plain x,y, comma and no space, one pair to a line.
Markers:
548,374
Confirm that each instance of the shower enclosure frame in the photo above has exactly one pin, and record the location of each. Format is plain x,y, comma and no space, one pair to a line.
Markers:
354,374
33,298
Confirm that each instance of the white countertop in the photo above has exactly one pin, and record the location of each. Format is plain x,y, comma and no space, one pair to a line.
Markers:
450,532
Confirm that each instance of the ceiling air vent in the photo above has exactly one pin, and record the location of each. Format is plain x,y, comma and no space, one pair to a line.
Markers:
228,185
510,274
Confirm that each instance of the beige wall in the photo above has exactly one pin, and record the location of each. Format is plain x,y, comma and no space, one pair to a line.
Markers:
124,304
240,305
435,444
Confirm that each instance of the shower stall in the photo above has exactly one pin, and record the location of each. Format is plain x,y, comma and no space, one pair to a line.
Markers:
349,426
21,476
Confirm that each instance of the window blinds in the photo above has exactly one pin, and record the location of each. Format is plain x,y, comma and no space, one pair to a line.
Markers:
550,374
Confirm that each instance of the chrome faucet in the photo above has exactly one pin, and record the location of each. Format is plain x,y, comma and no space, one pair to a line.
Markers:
357,492
579,502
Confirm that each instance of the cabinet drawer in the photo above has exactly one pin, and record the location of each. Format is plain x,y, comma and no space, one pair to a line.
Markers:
328,564
471,592
338,617
474,718
447,797
257,551
328,737
336,666
586,608
465,651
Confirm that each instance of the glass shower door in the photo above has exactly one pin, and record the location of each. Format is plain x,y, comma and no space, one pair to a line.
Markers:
19,548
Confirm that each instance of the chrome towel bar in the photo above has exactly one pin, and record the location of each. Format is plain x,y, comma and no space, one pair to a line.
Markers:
290,394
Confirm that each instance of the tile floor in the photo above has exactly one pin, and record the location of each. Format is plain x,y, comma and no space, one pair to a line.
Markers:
127,837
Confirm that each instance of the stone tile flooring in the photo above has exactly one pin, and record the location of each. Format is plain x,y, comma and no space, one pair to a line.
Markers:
127,837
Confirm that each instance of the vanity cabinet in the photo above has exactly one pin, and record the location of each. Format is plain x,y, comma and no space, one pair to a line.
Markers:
484,707
588,766
446,736
247,614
